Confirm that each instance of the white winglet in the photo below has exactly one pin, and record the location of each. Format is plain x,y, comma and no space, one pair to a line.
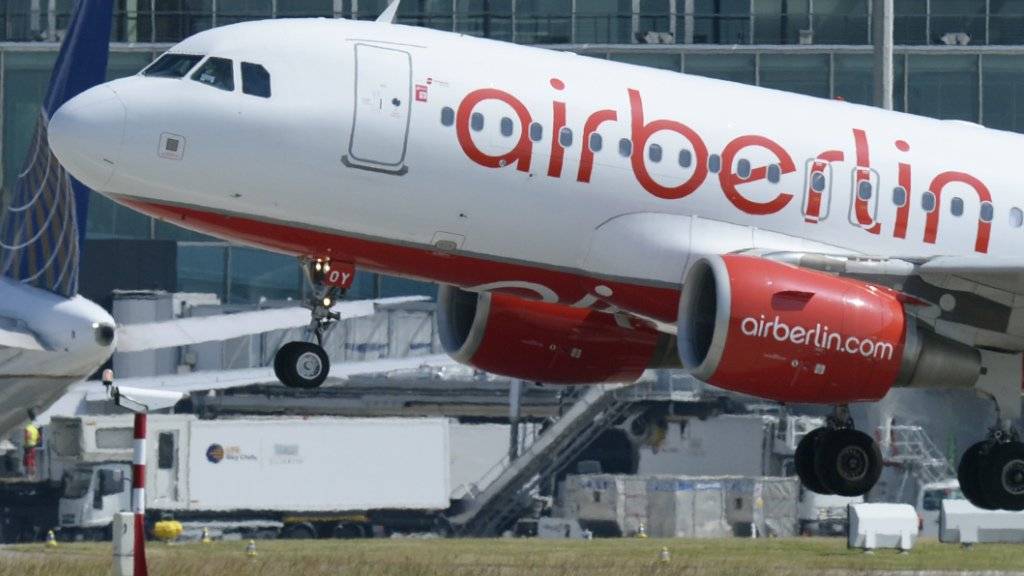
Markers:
196,330
388,15
12,336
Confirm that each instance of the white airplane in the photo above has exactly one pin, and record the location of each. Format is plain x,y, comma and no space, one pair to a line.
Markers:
52,337
590,219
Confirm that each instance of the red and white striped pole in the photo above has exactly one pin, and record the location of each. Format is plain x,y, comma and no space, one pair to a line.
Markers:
139,492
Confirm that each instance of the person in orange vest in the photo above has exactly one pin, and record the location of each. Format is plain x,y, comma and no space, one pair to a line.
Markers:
30,444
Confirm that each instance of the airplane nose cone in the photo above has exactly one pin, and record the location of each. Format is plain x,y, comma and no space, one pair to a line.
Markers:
86,135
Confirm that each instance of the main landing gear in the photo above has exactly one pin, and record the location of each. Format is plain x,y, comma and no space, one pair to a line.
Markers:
837,459
991,472
303,364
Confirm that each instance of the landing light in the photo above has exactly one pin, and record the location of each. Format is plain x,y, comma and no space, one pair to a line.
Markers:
327,302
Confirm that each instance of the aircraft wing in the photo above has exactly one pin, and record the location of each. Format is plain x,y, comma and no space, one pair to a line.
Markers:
223,379
196,330
976,299
1005,273
12,336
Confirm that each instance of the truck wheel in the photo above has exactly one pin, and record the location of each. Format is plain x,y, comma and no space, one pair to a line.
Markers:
1002,476
304,531
301,365
848,462
804,457
345,531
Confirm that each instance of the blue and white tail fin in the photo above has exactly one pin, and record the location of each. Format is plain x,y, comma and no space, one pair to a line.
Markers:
43,225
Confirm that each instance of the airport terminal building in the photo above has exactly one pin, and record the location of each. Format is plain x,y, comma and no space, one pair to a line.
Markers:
954,59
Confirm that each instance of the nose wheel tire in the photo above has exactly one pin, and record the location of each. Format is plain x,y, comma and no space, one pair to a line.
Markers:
847,462
301,365
805,461
1002,476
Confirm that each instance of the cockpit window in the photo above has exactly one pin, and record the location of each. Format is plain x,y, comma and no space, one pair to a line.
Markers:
171,66
255,80
216,72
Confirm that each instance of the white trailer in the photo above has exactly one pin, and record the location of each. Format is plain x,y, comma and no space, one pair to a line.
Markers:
297,477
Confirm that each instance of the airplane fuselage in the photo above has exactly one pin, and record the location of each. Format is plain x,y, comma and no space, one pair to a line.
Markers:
545,174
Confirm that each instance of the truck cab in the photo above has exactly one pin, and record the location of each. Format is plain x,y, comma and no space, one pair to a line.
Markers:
929,503
91,495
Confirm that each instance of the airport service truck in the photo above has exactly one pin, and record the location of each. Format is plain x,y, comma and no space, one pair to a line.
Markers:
257,477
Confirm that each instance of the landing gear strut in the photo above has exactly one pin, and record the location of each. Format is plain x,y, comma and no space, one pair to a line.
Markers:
837,459
305,364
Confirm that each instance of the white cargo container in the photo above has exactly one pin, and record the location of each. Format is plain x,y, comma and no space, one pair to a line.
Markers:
311,476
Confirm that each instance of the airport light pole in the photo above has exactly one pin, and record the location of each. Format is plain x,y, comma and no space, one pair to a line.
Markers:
882,23
140,401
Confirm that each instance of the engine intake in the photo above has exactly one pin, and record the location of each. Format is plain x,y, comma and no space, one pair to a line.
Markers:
547,342
773,330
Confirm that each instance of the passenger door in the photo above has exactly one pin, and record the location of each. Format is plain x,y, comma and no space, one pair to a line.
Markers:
380,122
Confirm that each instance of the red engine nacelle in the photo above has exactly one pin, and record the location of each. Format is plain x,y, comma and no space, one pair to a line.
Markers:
545,342
777,331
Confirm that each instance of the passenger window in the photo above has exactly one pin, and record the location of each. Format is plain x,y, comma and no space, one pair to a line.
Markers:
715,163
818,181
447,116
216,72
899,196
536,132
171,66
774,174
1016,217
928,201
685,158
476,121
596,142
506,126
255,80
565,137
625,148
987,212
864,190
743,168
957,207
654,153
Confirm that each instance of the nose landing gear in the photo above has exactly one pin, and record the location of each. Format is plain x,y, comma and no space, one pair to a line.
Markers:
305,364
837,459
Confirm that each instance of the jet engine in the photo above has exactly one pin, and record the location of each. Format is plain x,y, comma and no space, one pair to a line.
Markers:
777,331
545,342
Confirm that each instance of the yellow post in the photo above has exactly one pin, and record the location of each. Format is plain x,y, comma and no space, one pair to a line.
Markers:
664,555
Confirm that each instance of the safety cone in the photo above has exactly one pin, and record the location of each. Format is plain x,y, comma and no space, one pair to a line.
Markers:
51,539
664,555
641,531
250,549
206,536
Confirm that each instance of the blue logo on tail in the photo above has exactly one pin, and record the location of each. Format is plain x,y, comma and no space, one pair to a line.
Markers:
43,226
